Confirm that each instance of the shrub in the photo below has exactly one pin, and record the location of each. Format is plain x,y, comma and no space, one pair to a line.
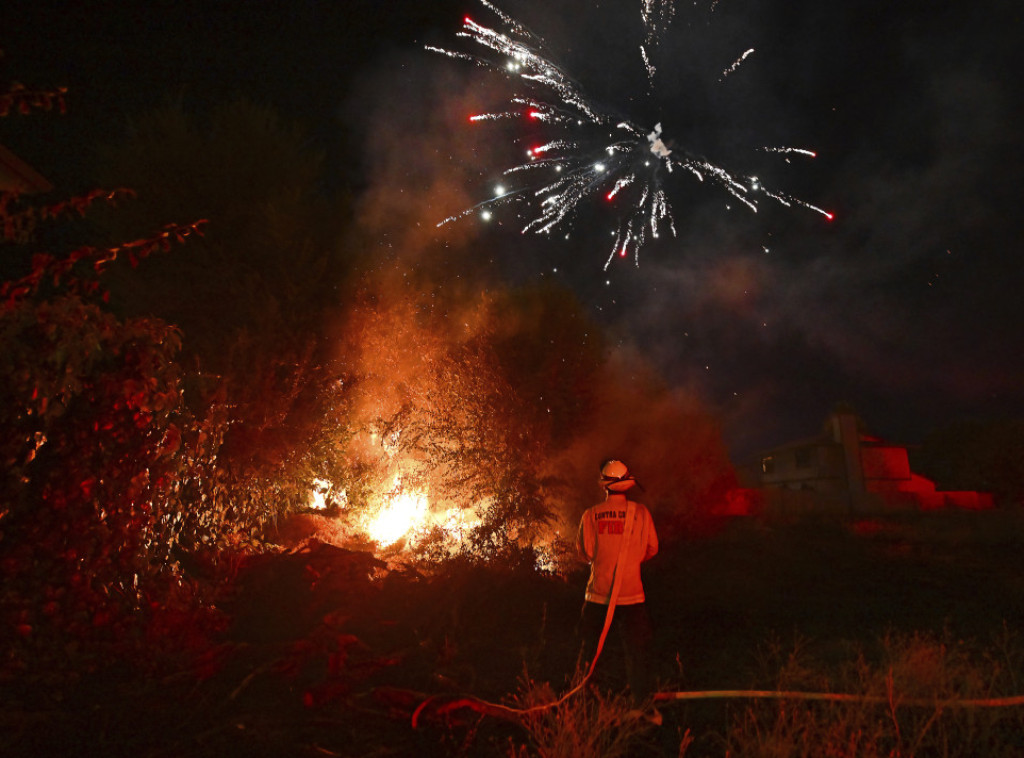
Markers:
101,486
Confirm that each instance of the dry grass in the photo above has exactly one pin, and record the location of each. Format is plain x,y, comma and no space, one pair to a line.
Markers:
590,724
901,671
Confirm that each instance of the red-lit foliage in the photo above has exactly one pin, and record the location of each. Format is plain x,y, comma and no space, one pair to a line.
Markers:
252,295
56,271
20,218
23,100
98,450
103,463
101,469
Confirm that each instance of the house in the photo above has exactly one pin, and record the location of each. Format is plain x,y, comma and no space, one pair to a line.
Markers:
847,469
18,176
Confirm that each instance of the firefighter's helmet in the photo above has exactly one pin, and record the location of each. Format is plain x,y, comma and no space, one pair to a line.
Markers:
615,476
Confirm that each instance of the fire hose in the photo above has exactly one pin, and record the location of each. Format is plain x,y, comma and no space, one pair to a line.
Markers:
841,697
498,709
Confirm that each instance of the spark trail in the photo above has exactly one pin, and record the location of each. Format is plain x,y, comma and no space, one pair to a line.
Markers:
657,15
593,152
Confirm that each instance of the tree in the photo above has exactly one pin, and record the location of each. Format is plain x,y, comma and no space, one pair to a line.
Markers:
269,262
432,407
252,297
101,455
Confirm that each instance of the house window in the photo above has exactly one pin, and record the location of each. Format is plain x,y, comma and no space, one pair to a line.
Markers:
802,457
768,465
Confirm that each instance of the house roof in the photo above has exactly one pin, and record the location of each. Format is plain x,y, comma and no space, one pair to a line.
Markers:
18,176
817,440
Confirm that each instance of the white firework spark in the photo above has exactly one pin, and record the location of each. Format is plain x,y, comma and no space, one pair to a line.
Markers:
595,153
736,64
657,15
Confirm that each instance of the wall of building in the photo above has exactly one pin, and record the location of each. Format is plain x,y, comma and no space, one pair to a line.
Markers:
847,469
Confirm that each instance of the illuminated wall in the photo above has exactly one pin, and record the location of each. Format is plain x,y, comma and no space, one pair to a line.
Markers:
845,467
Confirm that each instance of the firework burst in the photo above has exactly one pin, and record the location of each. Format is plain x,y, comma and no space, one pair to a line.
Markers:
593,152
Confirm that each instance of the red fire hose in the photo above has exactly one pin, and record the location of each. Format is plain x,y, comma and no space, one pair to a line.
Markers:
497,708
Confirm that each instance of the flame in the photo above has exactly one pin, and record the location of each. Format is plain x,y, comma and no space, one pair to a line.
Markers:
323,495
317,499
403,510
407,513
402,513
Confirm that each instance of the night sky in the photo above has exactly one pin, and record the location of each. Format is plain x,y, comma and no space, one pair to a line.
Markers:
907,306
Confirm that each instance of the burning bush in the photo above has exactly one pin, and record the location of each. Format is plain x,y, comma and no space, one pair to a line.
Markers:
477,424
441,443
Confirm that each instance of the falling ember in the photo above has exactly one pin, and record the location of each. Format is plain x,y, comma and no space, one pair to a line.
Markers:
595,151
657,15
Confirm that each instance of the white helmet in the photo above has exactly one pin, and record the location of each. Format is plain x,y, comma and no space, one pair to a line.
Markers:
615,476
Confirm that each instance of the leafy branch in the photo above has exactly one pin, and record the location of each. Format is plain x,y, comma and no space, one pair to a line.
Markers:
18,222
20,99
48,267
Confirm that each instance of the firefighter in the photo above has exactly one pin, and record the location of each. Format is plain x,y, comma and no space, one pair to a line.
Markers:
603,543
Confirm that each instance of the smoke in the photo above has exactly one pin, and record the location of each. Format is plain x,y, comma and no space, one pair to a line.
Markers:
421,159
428,296
665,435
